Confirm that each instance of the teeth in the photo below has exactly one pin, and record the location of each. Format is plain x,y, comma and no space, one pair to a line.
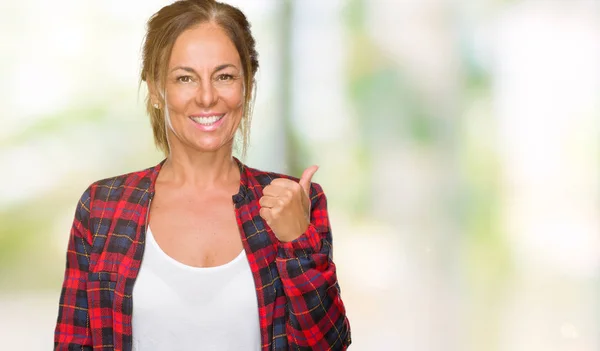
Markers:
207,120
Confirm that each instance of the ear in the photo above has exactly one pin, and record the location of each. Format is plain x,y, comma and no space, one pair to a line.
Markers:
153,94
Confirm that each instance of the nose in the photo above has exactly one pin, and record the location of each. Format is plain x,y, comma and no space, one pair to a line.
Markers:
207,95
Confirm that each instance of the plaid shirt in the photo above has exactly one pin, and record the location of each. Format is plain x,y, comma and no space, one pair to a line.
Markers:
298,294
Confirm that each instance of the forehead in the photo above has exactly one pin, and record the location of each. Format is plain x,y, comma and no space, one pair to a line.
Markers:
204,45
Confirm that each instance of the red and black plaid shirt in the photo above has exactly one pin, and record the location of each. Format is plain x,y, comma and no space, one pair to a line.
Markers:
296,285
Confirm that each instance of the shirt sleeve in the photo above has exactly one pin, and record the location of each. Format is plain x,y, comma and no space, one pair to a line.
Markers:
316,314
72,330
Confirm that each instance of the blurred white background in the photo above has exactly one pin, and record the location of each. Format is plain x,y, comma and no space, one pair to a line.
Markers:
458,143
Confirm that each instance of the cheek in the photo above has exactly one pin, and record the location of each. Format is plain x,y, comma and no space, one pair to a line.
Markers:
233,97
179,97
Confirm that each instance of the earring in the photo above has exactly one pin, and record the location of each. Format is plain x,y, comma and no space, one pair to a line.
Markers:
155,106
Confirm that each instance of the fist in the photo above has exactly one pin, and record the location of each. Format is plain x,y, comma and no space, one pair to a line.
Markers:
285,205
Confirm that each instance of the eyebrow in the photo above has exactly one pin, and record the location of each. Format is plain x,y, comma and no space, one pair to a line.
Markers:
191,70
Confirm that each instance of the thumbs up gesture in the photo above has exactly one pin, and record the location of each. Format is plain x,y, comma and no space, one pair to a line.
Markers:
285,205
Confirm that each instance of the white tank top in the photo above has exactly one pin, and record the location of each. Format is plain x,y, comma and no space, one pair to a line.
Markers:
180,307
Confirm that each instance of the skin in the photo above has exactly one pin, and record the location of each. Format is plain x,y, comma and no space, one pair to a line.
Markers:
192,214
285,205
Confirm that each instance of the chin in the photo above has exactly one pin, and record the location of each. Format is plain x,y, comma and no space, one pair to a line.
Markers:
211,146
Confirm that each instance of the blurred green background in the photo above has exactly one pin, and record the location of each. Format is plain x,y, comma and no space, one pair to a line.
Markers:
457,143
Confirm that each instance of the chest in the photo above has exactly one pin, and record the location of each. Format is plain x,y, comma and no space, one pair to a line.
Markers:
185,308
119,248
199,231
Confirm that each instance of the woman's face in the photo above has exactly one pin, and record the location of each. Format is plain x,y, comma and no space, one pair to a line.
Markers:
204,90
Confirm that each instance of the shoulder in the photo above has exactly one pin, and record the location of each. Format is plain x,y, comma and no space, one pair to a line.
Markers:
132,179
265,178
260,178
130,185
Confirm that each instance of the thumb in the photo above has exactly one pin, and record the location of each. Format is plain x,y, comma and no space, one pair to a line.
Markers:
306,178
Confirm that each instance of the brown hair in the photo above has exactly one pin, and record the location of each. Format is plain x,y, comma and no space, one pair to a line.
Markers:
165,26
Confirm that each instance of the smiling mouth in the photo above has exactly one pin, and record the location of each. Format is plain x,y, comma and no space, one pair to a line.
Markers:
207,120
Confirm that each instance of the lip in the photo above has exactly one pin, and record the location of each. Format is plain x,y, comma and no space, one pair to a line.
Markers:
207,114
208,128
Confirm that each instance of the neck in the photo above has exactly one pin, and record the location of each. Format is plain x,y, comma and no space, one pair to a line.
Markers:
201,170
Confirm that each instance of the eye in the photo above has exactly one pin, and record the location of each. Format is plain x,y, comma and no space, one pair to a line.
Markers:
224,77
184,79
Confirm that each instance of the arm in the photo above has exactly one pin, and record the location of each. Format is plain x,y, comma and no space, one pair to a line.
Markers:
317,316
72,328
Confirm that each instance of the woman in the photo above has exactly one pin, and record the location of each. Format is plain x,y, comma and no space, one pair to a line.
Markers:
201,252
